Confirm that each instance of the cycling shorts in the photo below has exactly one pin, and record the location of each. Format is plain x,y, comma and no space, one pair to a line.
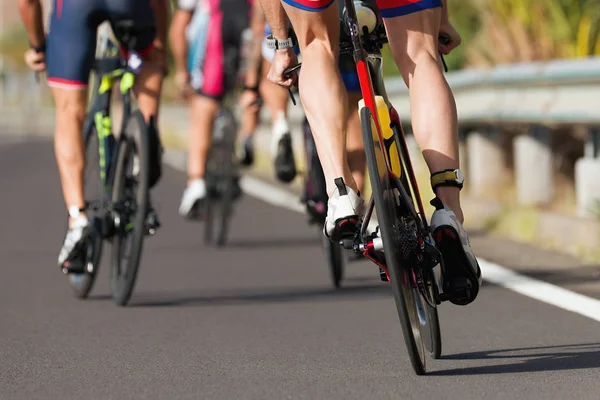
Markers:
71,42
389,8
214,38
346,64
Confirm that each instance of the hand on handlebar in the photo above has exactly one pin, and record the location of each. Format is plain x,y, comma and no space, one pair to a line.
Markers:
449,38
283,60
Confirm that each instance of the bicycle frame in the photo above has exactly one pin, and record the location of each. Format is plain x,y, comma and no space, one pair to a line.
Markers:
369,69
109,70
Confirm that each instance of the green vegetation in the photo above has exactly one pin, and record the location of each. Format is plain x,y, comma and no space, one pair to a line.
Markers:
509,31
13,45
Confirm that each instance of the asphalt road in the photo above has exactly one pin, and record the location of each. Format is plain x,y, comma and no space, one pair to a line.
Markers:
258,320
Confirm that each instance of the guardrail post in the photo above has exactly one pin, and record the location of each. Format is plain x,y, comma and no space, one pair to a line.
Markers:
587,176
533,167
485,162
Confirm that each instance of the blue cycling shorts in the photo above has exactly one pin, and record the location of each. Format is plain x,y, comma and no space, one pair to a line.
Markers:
71,42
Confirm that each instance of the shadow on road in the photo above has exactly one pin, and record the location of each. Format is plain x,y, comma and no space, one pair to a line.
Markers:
247,297
532,359
274,242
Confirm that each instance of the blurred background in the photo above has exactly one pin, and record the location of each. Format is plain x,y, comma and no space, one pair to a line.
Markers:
527,86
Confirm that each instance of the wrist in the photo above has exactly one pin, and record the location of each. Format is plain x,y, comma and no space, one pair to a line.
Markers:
282,42
39,48
250,88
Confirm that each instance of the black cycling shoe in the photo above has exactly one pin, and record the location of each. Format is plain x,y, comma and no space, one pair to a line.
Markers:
247,152
236,188
285,163
152,222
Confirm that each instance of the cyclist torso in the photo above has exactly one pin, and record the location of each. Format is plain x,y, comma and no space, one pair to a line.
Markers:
214,37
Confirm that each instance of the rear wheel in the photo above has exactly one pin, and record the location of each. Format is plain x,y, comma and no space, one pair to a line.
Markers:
221,174
333,252
399,233
82,283
130,203
316,205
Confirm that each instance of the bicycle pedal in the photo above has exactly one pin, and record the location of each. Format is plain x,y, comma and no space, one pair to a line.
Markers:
383,276
76,266
458,292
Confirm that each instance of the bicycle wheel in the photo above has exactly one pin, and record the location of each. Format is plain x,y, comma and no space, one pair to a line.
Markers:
82,283
400,241
315,194
130,205
434,346
220,177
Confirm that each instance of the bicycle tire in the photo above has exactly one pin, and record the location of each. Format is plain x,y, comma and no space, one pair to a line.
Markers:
335,259
315,180
82,283
435,346
220,175
391,224
130,203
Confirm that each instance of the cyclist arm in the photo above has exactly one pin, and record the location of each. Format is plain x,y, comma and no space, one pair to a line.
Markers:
162,12
276,18
257,25
178,41
31,15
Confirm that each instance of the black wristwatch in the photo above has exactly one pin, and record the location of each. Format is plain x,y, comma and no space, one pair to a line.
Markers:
280,44
38,49
250,88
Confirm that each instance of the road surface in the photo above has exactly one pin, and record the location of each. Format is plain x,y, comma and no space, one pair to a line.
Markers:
258,320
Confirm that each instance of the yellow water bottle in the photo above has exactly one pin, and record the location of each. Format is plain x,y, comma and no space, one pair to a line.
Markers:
386,131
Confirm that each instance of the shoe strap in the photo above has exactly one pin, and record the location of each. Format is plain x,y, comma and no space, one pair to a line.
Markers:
448,177
75,211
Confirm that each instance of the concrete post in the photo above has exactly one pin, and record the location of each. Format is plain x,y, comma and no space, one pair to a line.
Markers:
485,171
533,167
587,176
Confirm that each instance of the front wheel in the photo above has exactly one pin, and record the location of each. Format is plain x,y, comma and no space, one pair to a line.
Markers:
130,205
400,240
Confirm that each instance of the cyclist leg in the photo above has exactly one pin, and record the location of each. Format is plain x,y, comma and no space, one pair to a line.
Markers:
198,54
413,32
355,149
70,54
149,81
214,34
250,97
325,101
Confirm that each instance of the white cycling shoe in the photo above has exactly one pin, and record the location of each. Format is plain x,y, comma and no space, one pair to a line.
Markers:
76,235
192,199
343,212
461,272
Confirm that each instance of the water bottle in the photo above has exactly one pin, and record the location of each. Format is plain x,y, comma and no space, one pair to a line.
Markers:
383,113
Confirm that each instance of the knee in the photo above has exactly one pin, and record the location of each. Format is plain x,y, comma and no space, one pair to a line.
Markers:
70,109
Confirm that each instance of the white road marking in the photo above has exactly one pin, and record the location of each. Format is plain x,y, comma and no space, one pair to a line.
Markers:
540,290
493,273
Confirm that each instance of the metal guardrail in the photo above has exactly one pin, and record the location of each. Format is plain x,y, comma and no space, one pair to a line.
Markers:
557,92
